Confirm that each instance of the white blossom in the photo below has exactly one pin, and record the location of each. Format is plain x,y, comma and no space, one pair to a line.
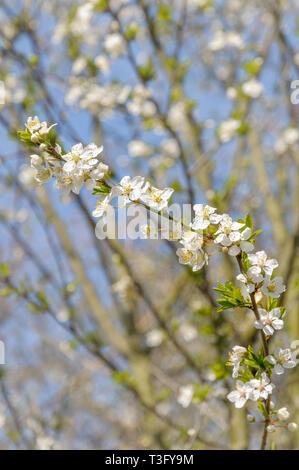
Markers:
273,287
292,427
241,394
204,216
261,388
282,359
37,129
252,278
228,231
283,414
261,260
157,198
227,129
114,44
236,357
185,395
131,189
252,88
139,148
197,258
269,321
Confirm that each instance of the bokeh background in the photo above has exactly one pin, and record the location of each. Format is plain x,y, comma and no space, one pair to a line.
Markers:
192,94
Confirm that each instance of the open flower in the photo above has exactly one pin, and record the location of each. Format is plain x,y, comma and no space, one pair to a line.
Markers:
131,189
81,158
261,260
251,279
241,245
204,216
269,321
228,231
273,287
102,206
261,388
37,129
282,359
185,395
195,258
241,394
157,198
235,359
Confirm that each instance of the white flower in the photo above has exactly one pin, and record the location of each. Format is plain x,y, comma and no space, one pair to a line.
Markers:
243,244
227,129
271,428
290,135
252,88
185,395
102,206
69,182
292,427
273,287
81,158
282,359
157,198
170,148
131,188
261,388
204,216
36,128
251,278
192,240
236,358
102,63
36,161
228,231
283,414
197,259
240,395
154,338
114,44
261,260
149,231
269,321
43,175
139,148
95,175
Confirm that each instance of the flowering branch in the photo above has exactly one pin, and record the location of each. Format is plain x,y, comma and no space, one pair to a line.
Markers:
259,290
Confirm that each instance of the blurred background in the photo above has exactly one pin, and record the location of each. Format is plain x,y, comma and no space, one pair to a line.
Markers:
113,344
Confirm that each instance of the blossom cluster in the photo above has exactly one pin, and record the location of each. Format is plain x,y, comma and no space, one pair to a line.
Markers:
71,169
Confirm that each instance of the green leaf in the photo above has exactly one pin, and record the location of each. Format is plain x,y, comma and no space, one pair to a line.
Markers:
123,377
5,270
164,13
262,409
248,221
101,188
231,296
200,392
132,30
147,71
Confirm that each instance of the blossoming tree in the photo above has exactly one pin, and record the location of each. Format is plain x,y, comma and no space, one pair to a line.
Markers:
139,79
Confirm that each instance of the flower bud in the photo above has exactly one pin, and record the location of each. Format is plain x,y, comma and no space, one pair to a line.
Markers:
35,138
250,419
272,405
43,146
283,414
271,428
36,160
292,427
